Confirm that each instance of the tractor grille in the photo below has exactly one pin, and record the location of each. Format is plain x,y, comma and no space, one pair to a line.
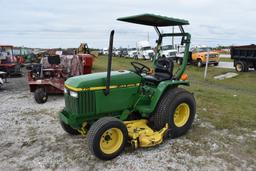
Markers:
83,105
87,102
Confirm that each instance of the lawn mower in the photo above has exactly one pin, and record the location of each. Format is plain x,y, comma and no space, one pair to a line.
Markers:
49,75
137,108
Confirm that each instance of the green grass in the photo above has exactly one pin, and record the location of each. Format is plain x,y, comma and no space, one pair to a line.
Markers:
226,60
227,104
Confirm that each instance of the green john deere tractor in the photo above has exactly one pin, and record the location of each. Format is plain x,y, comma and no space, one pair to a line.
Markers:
139,108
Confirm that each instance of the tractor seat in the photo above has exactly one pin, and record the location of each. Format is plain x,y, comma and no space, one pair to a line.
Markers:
163,71
54,60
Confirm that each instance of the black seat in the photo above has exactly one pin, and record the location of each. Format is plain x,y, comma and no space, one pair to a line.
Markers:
54,60
163,71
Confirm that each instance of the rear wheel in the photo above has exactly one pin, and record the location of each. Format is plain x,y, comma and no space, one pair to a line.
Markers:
177,108
68,128
216,64
107,138
240,67
40,95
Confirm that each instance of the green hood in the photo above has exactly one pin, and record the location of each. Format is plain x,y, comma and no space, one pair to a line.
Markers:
99,79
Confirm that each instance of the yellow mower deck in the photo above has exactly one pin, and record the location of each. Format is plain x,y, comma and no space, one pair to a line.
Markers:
141,135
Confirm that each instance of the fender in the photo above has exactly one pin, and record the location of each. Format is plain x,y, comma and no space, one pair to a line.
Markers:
158,92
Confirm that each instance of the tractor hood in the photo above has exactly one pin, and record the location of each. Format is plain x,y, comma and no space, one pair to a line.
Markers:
98,80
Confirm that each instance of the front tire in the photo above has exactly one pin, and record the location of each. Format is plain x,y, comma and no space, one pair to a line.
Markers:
107,138
40,95
177,108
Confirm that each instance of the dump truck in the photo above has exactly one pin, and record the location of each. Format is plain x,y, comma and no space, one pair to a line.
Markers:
244,57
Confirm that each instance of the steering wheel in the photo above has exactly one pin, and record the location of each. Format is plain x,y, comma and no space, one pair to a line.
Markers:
140,68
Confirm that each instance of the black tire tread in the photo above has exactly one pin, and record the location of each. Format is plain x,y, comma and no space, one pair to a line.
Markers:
161,107
39,92
161,115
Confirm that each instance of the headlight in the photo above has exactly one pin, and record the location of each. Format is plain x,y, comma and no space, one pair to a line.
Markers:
74,94
65,90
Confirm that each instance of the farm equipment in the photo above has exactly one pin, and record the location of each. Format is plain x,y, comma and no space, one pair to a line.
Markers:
131,107
49,76
244,57
8,62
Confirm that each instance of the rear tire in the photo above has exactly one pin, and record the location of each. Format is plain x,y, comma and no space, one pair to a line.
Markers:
40,95
107,138
69,129
216,64
240,67
177,108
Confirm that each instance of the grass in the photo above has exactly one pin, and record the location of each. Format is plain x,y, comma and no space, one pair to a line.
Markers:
227,104
226,60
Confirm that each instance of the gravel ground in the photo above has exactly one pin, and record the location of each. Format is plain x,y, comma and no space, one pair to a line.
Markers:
32,139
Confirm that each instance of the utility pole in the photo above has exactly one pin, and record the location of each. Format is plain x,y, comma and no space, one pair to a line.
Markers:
148,36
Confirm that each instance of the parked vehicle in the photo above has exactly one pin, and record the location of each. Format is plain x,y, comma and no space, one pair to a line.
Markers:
144,50
123,52
199,55
116,52
132,53
105,51
168,51
136,107
8,62
244,57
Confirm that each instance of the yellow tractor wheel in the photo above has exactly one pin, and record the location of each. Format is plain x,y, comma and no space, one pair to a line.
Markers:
107,138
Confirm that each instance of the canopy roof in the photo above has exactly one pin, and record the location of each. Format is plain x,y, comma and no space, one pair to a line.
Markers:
154,20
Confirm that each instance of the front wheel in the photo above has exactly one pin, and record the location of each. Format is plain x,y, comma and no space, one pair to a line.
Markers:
177,108
40,95
107,138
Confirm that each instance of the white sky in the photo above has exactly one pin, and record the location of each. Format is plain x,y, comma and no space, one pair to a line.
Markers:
67,23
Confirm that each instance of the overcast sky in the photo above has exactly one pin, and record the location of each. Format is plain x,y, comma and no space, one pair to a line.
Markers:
67,23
